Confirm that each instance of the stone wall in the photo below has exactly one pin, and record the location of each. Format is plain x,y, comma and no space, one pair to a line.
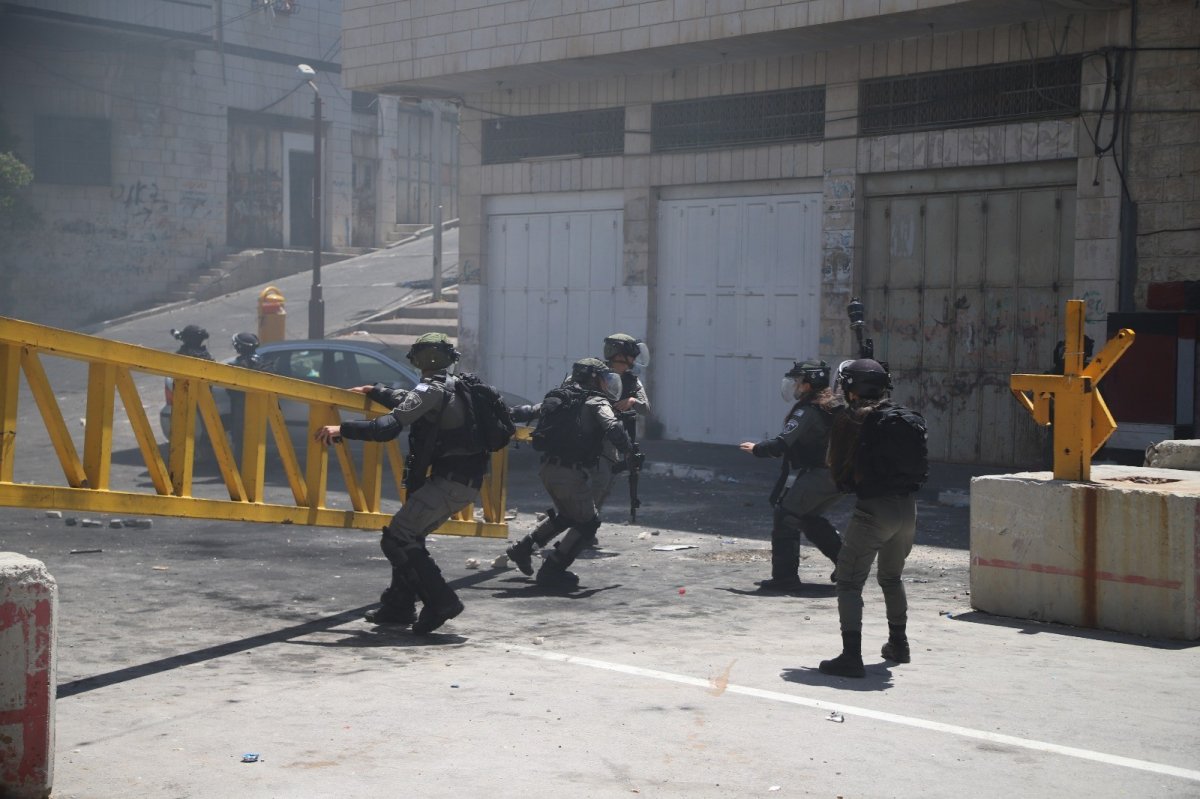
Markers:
1164,142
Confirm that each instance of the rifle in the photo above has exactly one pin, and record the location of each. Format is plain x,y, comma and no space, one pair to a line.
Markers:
636,459
858,313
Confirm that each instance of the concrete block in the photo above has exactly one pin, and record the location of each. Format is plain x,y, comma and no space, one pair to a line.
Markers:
28,642
1181,454
1119,553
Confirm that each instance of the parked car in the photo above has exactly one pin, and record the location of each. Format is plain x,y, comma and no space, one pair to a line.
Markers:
343,363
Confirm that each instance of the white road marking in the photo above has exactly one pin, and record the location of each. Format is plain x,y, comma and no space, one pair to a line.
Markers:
848,710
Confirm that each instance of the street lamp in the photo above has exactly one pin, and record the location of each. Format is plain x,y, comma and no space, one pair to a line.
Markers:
316,302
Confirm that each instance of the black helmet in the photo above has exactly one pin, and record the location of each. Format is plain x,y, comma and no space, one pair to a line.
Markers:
595,373
433,351
865,377
245,343
815,373
192,335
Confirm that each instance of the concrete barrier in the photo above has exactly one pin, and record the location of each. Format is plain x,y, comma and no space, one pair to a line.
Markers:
28,617
1177,454
1119,553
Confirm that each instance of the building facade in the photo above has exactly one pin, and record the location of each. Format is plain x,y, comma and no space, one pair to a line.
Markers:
721,177
166,134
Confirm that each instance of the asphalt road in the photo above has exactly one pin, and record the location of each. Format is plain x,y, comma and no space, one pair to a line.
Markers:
187,645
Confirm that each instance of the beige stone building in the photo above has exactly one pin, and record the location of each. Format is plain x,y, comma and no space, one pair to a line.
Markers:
165,135
720,177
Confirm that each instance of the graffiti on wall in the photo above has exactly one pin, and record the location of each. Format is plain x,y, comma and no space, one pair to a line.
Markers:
837,257
256,208
140,200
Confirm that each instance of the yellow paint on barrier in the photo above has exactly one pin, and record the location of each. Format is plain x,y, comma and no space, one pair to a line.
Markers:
111,365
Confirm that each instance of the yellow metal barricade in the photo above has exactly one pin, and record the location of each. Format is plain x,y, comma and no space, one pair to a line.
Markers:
111,366
1070,402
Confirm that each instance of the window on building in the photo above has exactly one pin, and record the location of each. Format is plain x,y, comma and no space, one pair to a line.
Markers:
584,133
72,150
364,102
1000,93
743,119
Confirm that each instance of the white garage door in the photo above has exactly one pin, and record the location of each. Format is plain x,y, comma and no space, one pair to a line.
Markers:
962,290
738,302
553,287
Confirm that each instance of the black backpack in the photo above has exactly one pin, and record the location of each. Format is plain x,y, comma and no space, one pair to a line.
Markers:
893,452
559,430
486,412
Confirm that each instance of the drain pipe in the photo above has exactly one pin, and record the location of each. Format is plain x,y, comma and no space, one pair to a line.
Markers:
1128,221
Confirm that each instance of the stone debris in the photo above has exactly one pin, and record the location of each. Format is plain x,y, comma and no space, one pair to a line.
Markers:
53,514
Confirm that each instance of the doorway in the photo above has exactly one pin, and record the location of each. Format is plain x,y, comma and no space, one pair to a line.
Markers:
300,191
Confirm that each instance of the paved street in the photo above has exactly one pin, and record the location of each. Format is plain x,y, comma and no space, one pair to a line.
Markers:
187,645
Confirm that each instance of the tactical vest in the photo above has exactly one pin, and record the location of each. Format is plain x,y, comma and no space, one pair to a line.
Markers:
802,455
458,440
560,431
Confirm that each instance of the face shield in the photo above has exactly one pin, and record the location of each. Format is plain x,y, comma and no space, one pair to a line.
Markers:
610,384
642,360
789,389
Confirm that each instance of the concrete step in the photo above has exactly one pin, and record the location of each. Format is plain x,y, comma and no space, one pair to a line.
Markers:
430,310
408,229
412,327
399,232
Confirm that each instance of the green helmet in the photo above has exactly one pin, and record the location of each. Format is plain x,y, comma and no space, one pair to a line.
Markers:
433,351
627,345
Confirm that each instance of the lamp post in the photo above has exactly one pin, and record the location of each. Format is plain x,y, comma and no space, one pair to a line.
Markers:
435,174
316,302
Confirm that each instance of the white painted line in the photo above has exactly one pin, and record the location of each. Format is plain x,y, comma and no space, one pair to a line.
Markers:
847,710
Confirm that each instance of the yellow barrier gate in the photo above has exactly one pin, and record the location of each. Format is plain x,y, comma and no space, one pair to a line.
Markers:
110,367
1080,418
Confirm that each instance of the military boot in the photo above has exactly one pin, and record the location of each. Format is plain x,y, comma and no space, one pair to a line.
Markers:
850,662
440,603
555,577
896,648
397,603
521,554
785,566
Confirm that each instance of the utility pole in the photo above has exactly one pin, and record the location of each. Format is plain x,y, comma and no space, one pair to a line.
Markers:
316,301
435,174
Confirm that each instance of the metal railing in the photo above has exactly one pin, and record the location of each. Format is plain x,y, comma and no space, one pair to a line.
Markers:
110,369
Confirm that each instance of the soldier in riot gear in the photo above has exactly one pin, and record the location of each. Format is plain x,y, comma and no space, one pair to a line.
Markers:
246,347
575,421
625,355
192,339
446,468
802,444
877,450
